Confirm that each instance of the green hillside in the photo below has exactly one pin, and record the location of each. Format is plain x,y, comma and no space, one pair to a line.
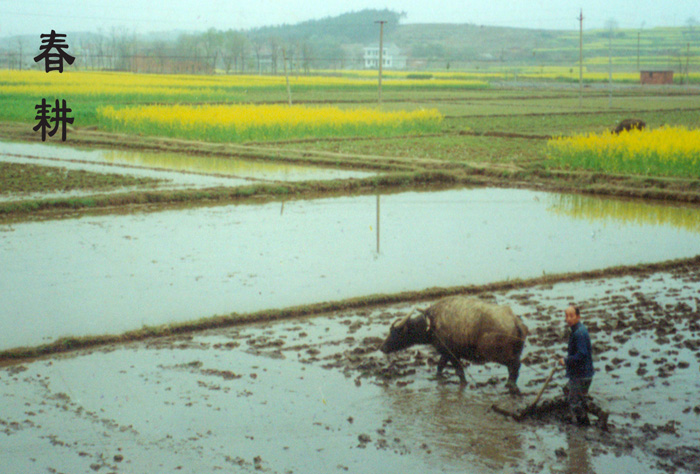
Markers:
658,47
337,43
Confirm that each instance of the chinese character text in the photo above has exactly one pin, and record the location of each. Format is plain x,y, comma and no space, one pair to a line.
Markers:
53,61
59,117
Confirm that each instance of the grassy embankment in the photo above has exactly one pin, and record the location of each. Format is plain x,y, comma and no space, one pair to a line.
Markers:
68,344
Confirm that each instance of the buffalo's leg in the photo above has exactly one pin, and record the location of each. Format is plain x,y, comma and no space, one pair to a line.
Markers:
460,373
442,363
513,371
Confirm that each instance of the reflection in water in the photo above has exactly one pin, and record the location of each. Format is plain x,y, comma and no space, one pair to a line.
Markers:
268,170
378,222
625,211
173,266
181,162
456,424
579,457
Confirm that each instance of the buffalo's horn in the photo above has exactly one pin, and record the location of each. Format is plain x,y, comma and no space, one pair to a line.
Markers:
424,312
401,322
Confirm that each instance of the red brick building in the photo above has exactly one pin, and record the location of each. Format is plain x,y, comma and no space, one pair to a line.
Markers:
656,77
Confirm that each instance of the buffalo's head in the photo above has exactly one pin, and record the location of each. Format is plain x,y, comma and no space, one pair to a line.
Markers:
406,332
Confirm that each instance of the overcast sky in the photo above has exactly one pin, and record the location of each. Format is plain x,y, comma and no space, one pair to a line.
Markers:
34,17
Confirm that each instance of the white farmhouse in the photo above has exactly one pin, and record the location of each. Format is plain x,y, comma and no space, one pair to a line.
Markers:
391,57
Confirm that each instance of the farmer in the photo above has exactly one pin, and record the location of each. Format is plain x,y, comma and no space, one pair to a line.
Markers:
579,365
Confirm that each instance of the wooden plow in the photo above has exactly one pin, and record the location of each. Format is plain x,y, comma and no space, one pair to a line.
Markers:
558,405
530,409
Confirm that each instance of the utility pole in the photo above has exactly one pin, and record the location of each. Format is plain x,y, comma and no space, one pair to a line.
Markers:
687,66
381,56
638,36
286,75
610,79
580,60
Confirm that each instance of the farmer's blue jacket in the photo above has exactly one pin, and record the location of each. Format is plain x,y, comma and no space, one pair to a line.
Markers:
579,363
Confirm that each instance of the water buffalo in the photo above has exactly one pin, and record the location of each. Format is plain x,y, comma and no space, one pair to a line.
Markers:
629,124
464,328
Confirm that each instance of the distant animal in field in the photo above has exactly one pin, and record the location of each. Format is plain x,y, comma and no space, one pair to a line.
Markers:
464,328
629,124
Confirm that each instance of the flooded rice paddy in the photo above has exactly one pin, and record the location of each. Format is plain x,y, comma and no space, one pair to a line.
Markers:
110,274
176,169
314,395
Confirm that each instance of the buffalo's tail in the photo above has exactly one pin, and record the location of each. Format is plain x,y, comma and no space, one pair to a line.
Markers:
521,332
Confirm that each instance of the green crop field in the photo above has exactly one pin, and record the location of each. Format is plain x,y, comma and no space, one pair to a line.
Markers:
433,129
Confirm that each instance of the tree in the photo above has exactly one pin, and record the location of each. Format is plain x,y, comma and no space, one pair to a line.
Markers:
190,50
274,44
233,50
212,42
123,48
306,56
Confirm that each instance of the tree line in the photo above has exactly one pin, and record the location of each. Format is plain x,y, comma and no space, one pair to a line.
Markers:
329,43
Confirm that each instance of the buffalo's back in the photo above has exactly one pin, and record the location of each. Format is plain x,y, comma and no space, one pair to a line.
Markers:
476,329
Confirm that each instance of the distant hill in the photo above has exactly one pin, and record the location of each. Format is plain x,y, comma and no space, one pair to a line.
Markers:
354,27
337,42
435,45
471,42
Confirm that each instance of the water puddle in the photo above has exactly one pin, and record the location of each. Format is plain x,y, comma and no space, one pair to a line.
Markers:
294,395
110,274
181,170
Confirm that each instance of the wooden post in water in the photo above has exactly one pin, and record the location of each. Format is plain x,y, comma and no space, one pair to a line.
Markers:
378,220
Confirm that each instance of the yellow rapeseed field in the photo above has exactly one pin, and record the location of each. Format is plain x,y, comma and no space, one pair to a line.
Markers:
665,151
235,123
93,83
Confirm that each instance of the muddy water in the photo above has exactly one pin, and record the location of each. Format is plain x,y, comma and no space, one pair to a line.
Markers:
180,169
315,396
97,275
168,179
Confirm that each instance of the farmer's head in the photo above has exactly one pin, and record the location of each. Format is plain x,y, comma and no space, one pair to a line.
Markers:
572,315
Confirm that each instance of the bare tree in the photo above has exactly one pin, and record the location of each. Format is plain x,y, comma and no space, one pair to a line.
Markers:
258,45
212,42
306,56
233,50
190,51
122,50
274,44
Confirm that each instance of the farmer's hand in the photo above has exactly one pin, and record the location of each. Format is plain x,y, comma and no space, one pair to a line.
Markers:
562,362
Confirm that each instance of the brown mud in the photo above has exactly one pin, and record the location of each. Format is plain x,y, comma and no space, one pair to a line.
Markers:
619,321
274,395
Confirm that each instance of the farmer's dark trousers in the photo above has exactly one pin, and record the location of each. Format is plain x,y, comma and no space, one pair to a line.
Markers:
578,388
